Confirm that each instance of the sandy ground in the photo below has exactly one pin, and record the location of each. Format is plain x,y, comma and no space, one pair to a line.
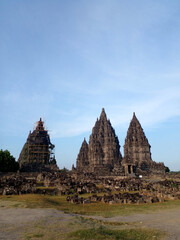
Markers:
15,221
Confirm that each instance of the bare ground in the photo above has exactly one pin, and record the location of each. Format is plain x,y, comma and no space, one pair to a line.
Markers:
19,223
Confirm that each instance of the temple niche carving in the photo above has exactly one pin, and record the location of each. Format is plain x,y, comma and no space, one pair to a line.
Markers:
37,153
102,154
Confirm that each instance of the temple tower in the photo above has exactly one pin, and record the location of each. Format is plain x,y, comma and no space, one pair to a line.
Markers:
38,149
82,159
137,152
103,149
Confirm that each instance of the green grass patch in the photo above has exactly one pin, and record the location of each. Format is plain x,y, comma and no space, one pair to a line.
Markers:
101,209
45,188
40,183
103,233
16,205
32,236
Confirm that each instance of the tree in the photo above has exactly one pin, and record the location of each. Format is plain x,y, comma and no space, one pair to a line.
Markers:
7,162
167,169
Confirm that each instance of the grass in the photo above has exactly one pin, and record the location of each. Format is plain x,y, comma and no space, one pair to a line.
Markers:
32,236
75,227
109,234
101,222
82,229
45,188
101,209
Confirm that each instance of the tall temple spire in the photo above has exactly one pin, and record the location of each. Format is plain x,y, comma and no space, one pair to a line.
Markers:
104,148
103,114
135,133
137,147
38,149
82,158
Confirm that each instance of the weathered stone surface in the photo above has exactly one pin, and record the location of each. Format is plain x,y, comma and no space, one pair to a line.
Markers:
102,154
37,153
137,147
16,184
66,183
137,154
82,159
104,148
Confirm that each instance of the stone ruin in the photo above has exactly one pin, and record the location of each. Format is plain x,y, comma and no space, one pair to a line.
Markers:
103,151
37,153
102,155
16,184
101,171
110,190
137,155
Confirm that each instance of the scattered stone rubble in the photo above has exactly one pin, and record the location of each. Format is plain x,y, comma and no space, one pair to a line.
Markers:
120,198
112,189
16,184
149,193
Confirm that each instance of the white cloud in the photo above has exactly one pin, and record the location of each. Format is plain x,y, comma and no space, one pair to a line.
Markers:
156,109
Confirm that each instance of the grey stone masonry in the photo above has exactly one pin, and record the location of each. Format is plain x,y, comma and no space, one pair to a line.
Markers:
82,159
103,149
137,154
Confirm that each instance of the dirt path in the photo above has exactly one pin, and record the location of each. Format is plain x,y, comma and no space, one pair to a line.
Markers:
14,221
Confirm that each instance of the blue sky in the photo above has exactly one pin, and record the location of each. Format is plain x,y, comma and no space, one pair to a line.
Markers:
65,60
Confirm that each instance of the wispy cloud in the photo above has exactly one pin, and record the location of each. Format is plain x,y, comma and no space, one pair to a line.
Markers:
158,108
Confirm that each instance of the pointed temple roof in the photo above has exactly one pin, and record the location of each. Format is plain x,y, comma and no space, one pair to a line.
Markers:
38,148
103,143
84,143
135,133
40,125
39,135
103,114
82,158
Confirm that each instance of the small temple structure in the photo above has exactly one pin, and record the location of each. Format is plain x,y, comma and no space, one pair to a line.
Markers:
82,159
38,151
102,155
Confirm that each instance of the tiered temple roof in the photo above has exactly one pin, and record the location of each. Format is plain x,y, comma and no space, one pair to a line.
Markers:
103,149
82,159
137,152
38,149
137,147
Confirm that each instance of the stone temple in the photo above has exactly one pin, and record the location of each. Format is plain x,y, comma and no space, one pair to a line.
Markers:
103,151
102,155
137,155
37,153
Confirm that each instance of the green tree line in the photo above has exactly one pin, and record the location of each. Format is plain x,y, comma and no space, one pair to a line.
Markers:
7,162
